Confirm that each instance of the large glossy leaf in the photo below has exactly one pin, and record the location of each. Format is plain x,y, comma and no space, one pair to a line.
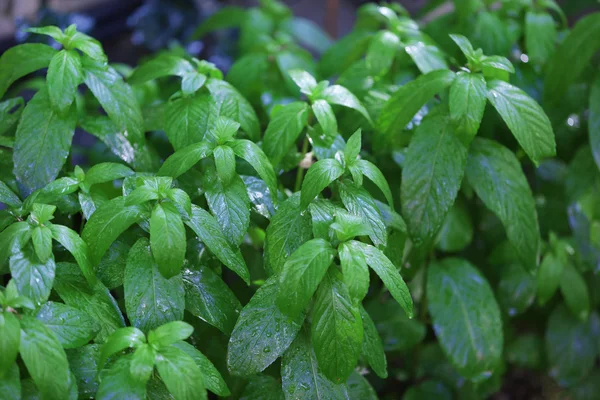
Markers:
231,207
286,124
301,376
467,102
83,363
211,376
360,203
262,332
382,50
466,318
525,118
180,374
408,99
10,383
320,175
290,227
426,56
187,119
496,176
22,60
96,301
572,57
540,36
301,275
432,175
184,159
33,278
337,332
10,338
64,75
107,223
163,65
72,327
116,98
355,270
44,358
75,245
336,94
210,299
151,299
210,233
43,141
167,239
571,345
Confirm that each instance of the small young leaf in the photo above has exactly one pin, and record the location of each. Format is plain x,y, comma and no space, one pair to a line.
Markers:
120,340
549,277
286,123
254,156
371,171
337,332
360,203
77,247
151,300
305,81
211,376
162,65
106,172
372,346
170,333
336,94
64,75
184,159
465,47
142,363
355,271
467,102
41,237
224,163
301,275
167,239
324,114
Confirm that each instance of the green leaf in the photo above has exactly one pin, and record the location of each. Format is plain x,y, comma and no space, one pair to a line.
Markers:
360,203
209,232
71,241
428,390
41,237
10,384
575,292
187,119
13,238
151,300
32,277
525,118
426,56
118,383
142,363
371,171
540,36
467,102
526,351
44,358
549,277
162,65
72,327
53,31
337,332
254,156
372,348
382,50
210,299
115,97
336,94
431,176
211,376
181,200
408,100
320,175
456,232
87,44
167,239
226,17
326,118
233,105
83,364
224,163
64,75
262,332
22,60
247,74
106,172
263,387
288,230
8,197
466,318
106,224
496,176
224,130
309,34
465,46
184,159
305,81
594,120
96,300
301,275
170,333
10,337
120,340
301,376
516,289
343,53
231,207
286,124
571,58
388,273
10,113
43,141
355,271
571,345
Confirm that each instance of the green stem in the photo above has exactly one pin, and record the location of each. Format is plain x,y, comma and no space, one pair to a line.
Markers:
300,172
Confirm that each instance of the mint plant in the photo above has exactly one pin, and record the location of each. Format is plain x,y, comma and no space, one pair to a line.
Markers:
410,214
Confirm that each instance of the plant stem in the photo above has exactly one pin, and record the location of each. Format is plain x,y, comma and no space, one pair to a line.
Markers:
300,172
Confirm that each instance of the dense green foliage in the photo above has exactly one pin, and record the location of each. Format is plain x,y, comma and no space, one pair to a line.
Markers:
411,213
